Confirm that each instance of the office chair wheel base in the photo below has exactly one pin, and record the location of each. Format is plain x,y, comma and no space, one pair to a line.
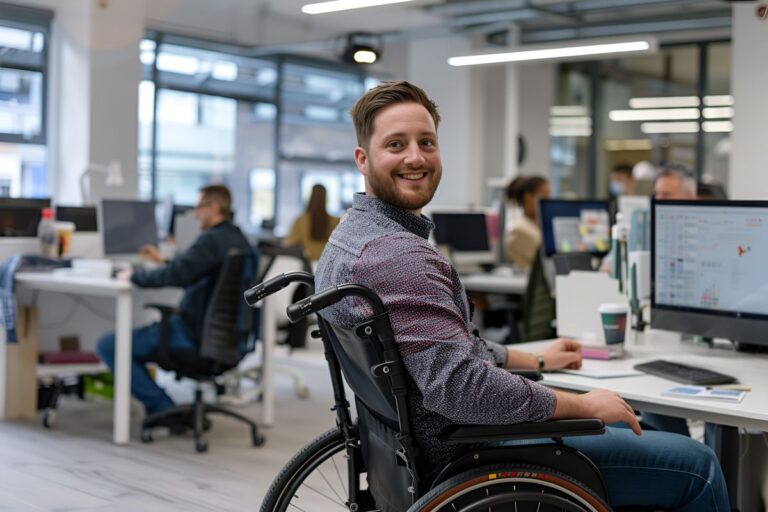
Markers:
201,446
49,418
146,436
258,439
302,392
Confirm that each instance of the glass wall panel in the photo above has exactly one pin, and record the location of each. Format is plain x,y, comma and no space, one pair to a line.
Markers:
717,131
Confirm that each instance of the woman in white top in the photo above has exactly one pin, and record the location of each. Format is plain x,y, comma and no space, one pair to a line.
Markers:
524,236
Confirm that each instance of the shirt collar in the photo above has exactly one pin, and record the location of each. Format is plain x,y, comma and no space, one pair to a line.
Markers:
418,225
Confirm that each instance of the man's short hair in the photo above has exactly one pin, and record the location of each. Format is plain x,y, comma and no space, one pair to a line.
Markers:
623,168
681,172
387,93
220,195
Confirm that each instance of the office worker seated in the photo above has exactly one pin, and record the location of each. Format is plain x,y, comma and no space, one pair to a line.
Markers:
674,182
524,237
456,376
313,227
196,270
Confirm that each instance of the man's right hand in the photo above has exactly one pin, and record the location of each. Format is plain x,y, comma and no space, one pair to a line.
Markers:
600,403
151,253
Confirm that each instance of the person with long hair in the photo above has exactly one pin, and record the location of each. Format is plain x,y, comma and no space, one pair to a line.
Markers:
524,236
312,228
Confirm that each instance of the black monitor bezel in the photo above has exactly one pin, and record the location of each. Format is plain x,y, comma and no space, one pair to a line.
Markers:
540,217
102,224
479,213
706,322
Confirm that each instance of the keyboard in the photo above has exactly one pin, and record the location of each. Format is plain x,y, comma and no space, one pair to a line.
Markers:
684,373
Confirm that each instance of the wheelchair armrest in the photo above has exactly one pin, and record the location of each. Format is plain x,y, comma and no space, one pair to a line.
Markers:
534,375
460,434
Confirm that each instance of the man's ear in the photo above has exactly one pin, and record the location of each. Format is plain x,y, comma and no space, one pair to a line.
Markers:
361,160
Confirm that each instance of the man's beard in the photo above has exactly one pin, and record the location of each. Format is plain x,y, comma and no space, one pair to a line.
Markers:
385,188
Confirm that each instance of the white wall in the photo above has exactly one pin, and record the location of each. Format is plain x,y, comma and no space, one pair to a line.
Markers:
748,175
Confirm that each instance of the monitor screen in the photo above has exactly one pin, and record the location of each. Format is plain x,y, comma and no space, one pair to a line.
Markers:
19,217
575,226
127,225
708,268
178,209
84,217
462,231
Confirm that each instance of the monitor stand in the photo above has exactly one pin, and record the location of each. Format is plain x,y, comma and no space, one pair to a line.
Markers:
753,348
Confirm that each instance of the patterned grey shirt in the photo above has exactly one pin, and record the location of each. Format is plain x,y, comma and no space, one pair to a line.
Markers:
456,377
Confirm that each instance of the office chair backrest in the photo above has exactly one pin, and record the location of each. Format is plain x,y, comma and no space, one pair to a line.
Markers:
227,319
538,305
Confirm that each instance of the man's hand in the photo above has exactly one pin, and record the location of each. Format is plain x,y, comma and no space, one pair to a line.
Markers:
151,253
562,353
599,403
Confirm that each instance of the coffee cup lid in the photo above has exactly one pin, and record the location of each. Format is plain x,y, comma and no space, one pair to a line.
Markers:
616,307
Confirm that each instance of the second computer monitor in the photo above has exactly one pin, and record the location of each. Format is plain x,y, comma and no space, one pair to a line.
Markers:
84,218
575,226
466,234
127,225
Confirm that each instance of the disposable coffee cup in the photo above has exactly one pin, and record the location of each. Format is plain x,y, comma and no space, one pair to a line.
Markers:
64,231
614,320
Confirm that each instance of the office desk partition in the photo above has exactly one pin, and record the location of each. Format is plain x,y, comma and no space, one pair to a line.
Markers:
122,292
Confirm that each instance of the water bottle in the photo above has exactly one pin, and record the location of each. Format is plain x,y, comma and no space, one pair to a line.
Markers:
46,233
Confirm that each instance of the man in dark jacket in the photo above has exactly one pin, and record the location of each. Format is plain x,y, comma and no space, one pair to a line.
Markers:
196,270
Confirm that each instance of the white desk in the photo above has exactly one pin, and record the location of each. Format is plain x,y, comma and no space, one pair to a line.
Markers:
121,291
514,284
644,392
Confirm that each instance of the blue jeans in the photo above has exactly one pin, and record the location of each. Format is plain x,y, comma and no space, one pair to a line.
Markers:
145,343
677,426
656,469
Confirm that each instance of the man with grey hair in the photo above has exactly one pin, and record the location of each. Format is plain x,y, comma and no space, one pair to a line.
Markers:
674,182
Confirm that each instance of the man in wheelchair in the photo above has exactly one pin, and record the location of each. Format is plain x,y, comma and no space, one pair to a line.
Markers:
454,375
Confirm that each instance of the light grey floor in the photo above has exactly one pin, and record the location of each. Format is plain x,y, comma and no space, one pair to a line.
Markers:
75,466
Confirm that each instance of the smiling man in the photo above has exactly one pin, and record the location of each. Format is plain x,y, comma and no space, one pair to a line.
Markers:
455,376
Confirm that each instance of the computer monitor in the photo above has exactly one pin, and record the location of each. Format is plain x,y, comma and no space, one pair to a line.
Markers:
575,226
178,209
708,268
19,217
126,226
465,233
85,218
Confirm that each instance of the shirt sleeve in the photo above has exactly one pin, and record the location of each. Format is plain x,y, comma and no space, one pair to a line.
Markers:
185,269
441,355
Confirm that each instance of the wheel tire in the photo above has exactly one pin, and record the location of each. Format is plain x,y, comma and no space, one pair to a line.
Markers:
201,446
280,493
480,480
146,436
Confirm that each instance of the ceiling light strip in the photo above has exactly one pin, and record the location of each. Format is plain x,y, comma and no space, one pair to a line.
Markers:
345,5
680,127
659,114
664,102
551,53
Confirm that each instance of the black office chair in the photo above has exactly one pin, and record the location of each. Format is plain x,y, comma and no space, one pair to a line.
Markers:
373,463
538,305
226,327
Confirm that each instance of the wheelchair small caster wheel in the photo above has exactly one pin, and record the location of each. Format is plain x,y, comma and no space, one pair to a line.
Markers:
49,418
201,446
302,392
146,436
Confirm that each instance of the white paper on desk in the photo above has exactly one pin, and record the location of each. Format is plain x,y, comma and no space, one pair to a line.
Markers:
729,395
602,373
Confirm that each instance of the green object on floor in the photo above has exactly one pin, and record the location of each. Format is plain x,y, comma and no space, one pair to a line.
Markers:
101,385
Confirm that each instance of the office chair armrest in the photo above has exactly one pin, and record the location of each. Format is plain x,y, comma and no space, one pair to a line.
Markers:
164,309
166,312
461,434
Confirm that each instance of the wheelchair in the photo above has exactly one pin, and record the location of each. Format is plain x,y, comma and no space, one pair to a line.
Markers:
373,464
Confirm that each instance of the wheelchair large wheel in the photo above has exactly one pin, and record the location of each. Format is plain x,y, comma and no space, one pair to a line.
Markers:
316,478
518,487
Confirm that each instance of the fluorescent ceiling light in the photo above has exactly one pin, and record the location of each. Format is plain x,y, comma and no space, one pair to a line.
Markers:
717,126
659,114
725,100
568,110
559,52
664,102
718,112
628,145
570,121
345,5
570,131
687,127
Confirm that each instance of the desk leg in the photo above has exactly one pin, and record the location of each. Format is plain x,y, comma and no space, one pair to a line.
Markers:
726,447
268,331
20,370
122,413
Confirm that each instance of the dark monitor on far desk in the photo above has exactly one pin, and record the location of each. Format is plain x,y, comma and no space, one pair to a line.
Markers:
575,226
708,269
126,226
84,218
19,217
464,232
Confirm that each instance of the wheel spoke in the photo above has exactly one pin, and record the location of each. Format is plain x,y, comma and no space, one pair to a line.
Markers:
338,474
326,496
329,485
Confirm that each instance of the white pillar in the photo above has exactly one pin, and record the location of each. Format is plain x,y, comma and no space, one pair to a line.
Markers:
748,176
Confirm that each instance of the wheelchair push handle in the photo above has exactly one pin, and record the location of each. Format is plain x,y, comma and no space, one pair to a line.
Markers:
330,296
277,283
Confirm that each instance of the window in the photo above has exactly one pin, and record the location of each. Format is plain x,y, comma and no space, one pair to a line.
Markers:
23,66
268,128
